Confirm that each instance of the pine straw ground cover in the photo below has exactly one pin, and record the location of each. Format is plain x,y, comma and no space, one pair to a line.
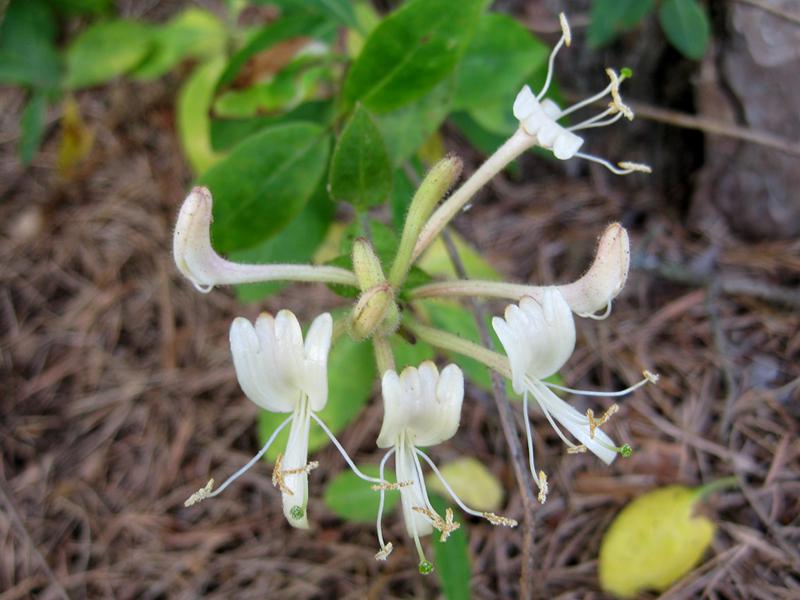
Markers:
119,396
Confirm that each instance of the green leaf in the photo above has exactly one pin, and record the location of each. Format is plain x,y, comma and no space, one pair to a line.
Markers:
406,129
27,46
412,50
452,558
402,193
105,51
81,7
264,183
686,25
296,243
500,57
484,140
360,171
436,260
194,126
193,33
226,133
32,126
353,499
351,375
407,354
383,238
609,18
653,542
338,11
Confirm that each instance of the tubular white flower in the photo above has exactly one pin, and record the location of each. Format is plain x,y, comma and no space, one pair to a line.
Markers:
281,373
538,337
422,407
539,116
197,261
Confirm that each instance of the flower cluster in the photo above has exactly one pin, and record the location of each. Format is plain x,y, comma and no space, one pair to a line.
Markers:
283,371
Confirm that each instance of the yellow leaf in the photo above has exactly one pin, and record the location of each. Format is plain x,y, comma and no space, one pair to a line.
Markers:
473,483
653,542
76,139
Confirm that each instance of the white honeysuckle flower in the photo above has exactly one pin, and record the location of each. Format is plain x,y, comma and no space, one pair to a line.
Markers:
597,288
197,260
538,336
422,407
281,373
539,116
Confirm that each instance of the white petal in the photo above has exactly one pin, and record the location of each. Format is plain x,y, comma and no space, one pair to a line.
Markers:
524,103
413,495
548,132
566,145
515,351
317,347
551,109
296,457
289,354
249,363
600,445
421,403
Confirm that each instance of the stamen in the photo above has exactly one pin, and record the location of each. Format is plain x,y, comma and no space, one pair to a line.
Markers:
577,449
631,167
379,524
241,471
529,436
391,486
595,423
566,38
384,552
594,122
543,488
306,469
625,168
499,520
565,30
586,102
277,477
344,454
201,494
648,378
616,98
446,526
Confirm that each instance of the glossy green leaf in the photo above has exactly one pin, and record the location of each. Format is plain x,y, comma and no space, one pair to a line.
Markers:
32,126
411,50
453,567
296,243
383,238
105,51
193,33
609,18
478,136
406,129
264,183
351,375
500,57
353,499
360,170
338,11
194,126
653,542
686,26
27,45
226,133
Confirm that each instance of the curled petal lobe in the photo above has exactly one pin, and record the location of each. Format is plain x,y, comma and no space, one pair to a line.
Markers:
317,347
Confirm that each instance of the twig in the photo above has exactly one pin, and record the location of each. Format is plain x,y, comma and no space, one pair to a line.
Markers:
521,472
22,531
715,127
775,11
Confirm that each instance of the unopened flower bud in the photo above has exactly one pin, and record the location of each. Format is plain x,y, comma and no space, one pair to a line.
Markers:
605,278
374,306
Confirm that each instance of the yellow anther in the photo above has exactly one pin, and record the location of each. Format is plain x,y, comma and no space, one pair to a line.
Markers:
305,469
391,486
543,488
446,526
201,494
565,30
384,552
641,168
649,375
277,476
576,449
617,105
499,520
595,423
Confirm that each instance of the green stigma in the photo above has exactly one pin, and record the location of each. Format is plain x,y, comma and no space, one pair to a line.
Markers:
626,451
297,512
426,567
626,72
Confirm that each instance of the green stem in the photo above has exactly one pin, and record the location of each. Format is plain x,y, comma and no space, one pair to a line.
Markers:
720,484
449,341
